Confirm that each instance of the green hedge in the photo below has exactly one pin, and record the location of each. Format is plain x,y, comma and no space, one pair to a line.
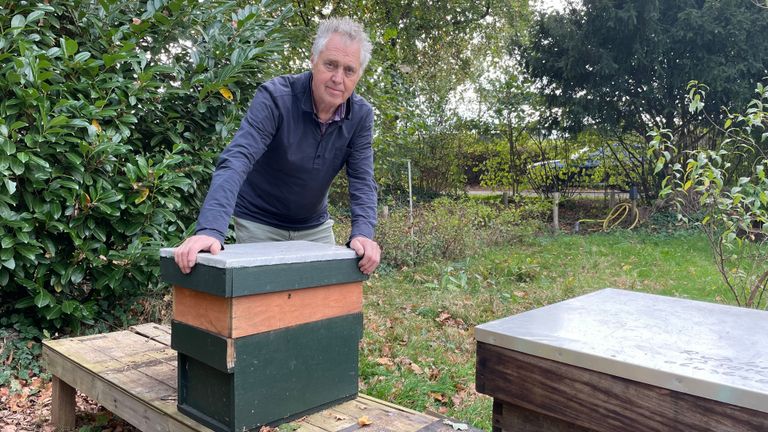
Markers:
111,116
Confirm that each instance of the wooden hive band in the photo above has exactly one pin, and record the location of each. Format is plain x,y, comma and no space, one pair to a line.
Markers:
235,317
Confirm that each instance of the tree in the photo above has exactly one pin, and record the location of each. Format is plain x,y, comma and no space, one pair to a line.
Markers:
619,66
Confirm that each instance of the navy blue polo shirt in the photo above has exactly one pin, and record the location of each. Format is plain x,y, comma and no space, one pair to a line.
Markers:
279,166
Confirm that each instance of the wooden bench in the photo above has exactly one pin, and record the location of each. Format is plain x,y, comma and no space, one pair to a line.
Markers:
616,360
133,374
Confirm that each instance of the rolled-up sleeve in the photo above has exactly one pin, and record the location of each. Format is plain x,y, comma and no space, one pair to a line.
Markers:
256,132
362,186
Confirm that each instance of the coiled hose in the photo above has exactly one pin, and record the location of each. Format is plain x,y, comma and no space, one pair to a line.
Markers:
615,217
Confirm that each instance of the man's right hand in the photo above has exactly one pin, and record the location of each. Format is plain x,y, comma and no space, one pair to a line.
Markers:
186,254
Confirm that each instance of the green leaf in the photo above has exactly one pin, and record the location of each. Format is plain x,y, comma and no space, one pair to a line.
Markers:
69,46
43,298
69,306
53,312
25,302
8,146
111,59
58,121
35,15
18,21
9,263
10,185
82,56
16,166
77,275
29,252
6,254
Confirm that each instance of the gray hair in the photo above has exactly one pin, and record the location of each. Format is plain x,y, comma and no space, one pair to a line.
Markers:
348,28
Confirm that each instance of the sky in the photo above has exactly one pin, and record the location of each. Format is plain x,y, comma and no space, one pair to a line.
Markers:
550,4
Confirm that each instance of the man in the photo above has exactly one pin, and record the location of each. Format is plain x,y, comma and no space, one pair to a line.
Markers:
298,133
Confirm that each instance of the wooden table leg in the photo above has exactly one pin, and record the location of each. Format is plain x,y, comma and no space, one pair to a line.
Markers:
63,405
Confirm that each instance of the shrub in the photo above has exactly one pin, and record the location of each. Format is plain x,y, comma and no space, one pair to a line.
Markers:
732,201
454,229
111,115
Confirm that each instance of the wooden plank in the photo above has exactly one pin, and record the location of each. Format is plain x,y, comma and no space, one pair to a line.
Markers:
508,417
156,332
599,401
302,426
101,356
139,386
246,315
330,420
216,351
384,414
272,311
155,416
62,405
372,401
203,310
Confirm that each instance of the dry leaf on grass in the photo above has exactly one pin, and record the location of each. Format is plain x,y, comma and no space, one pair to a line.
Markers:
437,396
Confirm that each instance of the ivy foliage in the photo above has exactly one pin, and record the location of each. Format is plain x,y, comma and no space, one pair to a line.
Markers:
111,115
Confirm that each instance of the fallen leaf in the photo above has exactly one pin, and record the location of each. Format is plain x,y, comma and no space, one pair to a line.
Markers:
437,396
416,369
338,417
268,429
403,361
521,294
443,410
385,361
434,374
364,421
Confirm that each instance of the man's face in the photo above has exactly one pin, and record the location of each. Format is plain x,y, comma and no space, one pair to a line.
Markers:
335,72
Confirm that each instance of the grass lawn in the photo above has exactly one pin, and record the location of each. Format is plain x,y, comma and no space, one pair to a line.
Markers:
418,349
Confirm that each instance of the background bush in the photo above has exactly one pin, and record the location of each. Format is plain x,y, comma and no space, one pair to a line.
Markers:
111,115
452,229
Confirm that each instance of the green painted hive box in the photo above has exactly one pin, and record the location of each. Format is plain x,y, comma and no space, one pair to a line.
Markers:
266,332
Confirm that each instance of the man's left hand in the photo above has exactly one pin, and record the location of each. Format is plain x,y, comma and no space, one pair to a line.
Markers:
369,250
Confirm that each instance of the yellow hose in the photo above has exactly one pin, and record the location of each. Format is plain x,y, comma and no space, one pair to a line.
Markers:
615,217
